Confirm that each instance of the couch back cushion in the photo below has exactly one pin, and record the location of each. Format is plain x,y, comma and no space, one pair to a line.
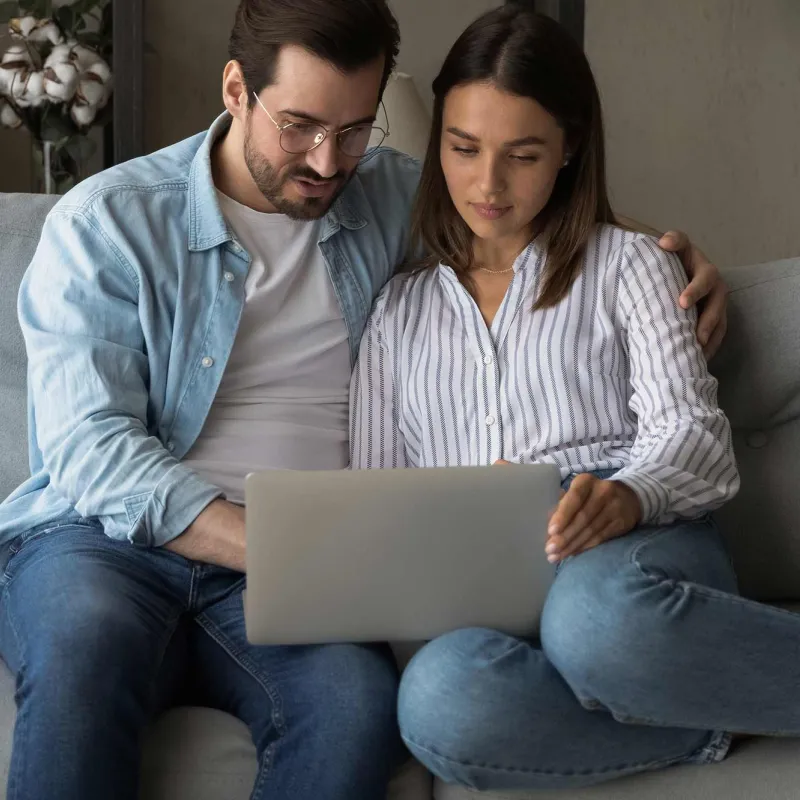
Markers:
759,371
21,219
758,367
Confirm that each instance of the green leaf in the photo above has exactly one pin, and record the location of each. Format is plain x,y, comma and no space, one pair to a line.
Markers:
57,128
8,11
81,148
93,39
65,17
87,6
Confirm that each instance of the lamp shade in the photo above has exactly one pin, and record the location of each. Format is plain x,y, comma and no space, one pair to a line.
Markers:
409,120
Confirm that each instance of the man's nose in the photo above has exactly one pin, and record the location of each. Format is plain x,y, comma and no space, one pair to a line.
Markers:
324,160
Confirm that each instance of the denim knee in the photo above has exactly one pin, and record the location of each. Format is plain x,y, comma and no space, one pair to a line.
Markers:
351,693
609,631
447,711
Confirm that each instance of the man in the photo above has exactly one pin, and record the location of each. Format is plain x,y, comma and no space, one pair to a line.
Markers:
190,317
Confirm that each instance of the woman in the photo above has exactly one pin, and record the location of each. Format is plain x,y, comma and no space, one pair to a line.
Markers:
540,331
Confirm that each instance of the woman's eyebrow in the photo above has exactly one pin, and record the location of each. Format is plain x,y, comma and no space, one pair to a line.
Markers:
525,140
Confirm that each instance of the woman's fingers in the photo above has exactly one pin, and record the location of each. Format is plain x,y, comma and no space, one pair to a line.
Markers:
571,504
610,509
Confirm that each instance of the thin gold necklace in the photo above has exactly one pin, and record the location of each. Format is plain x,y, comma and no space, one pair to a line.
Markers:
497,271
500,271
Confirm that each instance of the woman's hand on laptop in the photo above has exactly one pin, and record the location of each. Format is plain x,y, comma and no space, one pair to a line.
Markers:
590,513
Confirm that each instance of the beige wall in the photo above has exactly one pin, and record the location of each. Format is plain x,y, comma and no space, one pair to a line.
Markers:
183,73
190,39
702,102
429,29
183,78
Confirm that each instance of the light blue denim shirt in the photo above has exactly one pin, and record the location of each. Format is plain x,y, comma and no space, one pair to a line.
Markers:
129,311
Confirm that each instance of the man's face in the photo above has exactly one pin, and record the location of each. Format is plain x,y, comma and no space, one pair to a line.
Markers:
307,90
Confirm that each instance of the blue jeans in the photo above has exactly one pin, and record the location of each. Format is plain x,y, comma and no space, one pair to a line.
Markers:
646,655
103,635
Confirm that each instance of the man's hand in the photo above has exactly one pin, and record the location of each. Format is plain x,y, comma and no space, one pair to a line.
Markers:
706,284
215,537
591,512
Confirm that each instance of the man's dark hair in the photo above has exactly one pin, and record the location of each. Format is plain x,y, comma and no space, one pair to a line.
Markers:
346,33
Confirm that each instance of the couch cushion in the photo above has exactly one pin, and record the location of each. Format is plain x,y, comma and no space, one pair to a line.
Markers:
21,220
759,371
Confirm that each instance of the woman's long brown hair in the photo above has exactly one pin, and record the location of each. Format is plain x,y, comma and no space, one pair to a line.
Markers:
528,55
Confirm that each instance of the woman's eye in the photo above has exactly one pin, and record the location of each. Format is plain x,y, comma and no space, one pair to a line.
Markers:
464,151
526,159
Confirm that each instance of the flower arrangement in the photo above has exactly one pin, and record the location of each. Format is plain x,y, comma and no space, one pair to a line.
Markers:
55,81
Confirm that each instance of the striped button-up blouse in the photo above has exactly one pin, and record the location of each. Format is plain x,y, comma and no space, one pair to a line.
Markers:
613,377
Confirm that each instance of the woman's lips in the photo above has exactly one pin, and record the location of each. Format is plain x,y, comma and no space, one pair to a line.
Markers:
488,212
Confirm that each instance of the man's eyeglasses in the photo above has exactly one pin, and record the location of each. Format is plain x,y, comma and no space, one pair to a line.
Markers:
302,137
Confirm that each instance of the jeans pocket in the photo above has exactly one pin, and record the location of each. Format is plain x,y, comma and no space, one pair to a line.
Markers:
13,548
21,544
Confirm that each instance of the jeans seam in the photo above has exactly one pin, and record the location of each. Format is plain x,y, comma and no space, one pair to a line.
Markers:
20,731
658,764
262,680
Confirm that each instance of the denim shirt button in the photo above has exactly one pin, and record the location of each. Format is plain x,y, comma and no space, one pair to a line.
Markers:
207,362
229,276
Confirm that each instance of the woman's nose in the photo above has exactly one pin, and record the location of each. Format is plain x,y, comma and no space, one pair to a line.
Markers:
491,180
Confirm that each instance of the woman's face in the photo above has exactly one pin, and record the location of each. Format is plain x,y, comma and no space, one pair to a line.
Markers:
501,155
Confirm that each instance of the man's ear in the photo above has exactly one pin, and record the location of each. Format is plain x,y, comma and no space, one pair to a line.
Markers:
234,91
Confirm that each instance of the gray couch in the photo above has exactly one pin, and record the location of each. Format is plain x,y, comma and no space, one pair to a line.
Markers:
198,754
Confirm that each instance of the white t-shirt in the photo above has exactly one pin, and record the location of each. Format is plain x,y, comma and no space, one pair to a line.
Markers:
283,400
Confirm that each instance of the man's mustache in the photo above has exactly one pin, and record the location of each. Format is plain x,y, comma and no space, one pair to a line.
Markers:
306,173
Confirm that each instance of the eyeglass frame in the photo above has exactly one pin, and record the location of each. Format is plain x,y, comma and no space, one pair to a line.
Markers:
328,131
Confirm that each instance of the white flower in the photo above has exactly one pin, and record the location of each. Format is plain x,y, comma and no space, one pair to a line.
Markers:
91,92
61,82
8,116
60,75
82,115
15,65
94,88
101,71
84,56
46,31
60,54
18,55
29,92
22,27
35,30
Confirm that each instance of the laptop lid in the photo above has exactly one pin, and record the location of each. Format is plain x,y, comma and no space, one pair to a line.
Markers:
407,554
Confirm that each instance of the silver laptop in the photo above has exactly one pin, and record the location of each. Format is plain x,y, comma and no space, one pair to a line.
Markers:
405,554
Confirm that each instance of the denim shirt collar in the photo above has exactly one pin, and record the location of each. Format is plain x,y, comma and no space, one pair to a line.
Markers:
206,224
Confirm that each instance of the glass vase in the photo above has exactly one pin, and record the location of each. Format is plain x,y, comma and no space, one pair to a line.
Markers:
54,169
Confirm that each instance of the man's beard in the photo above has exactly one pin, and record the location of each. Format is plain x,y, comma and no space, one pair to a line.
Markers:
272,185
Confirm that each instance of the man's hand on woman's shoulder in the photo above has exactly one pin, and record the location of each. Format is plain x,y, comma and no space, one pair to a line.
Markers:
705,285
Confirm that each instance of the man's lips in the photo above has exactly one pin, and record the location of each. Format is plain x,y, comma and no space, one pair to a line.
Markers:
311,188
490,212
